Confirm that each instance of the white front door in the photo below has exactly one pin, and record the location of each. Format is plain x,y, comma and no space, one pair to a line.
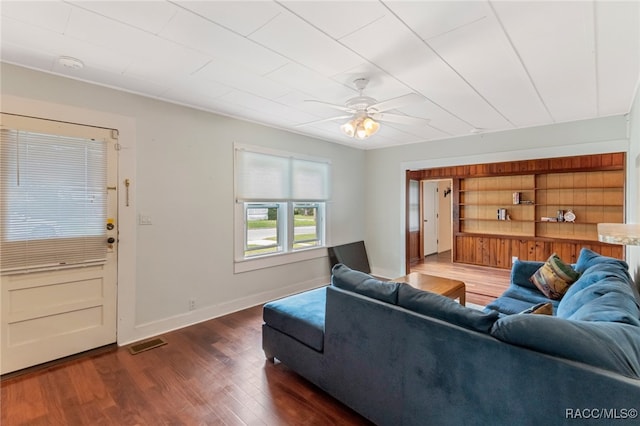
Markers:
58,216
430,217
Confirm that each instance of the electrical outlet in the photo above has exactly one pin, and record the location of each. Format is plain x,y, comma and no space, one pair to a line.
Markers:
192,304
144,219
513,259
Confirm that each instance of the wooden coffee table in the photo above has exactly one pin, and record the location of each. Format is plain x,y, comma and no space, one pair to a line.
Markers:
450,288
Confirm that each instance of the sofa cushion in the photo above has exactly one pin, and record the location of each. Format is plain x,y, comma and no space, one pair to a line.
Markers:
444,308
608,300
554,277
540,309
516,299
300,316
588,258
612,346
522,271
358,282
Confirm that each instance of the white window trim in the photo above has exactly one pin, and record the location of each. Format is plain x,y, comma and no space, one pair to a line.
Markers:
244,264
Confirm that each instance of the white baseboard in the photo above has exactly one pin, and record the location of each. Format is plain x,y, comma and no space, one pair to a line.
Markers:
155,328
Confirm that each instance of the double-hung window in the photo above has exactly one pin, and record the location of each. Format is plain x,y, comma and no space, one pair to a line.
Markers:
280,202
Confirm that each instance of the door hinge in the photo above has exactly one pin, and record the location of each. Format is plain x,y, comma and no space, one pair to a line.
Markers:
114,133
117,147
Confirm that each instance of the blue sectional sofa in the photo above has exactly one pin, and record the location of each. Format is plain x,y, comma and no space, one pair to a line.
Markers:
401,356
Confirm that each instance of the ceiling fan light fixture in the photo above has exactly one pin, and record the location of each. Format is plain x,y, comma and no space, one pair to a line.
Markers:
349,128
370,125
360,127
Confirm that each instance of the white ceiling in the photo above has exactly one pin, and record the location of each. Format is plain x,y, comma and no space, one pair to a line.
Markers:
489,65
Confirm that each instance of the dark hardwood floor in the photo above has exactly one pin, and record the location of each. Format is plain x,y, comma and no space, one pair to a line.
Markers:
212,373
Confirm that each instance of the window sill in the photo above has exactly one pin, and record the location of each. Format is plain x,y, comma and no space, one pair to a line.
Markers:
246,265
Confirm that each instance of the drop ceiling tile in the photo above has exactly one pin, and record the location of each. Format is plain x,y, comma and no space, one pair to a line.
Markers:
617,34
307,46
434,18
556,43
210,38
109,34
412,62
48,15
129,83
249,101
314,84
243,17
146,15
195,87
242,79
339,20
167,61
473,50
52,44
18,54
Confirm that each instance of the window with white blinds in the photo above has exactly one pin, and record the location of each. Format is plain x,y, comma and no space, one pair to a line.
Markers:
53,200
280,202
279,177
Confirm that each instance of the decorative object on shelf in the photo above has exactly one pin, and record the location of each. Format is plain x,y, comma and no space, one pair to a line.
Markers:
627,234
502,214
548,219
569,216
560,215
516,198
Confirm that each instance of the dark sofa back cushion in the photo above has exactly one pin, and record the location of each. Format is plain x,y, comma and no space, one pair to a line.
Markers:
445,309
609,345
358,282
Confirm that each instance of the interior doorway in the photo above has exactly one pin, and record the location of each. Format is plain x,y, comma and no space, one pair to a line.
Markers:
429,219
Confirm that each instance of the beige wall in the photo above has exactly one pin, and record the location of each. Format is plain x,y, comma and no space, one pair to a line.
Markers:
180,162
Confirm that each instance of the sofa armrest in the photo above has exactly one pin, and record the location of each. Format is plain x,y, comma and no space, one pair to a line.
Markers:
522,270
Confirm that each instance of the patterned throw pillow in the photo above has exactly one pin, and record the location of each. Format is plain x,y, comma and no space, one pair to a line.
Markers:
554,277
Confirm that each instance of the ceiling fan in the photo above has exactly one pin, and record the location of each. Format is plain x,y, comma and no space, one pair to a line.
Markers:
365,113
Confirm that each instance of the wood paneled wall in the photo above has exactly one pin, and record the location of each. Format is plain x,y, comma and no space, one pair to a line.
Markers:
498,250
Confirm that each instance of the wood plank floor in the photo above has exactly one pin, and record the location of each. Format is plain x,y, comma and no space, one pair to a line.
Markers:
212,373
483,284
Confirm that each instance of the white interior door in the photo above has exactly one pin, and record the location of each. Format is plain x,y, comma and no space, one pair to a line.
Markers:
430,217
59,236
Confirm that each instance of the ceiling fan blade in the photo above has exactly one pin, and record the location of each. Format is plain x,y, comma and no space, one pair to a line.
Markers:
400,119
340,117
398,102
335,106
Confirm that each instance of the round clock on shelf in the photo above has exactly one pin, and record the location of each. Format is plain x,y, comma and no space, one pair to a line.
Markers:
569,216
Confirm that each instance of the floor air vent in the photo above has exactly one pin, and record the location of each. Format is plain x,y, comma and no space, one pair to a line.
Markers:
145,346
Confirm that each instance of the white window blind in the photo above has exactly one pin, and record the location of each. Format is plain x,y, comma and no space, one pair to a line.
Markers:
53,200
267,177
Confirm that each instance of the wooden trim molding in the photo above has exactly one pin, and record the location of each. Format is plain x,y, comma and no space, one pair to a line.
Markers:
611,161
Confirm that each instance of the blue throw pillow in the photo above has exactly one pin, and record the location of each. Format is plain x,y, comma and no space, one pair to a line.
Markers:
445,309
358,282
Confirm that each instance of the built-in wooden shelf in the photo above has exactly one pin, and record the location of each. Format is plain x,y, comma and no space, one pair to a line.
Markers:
591,186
